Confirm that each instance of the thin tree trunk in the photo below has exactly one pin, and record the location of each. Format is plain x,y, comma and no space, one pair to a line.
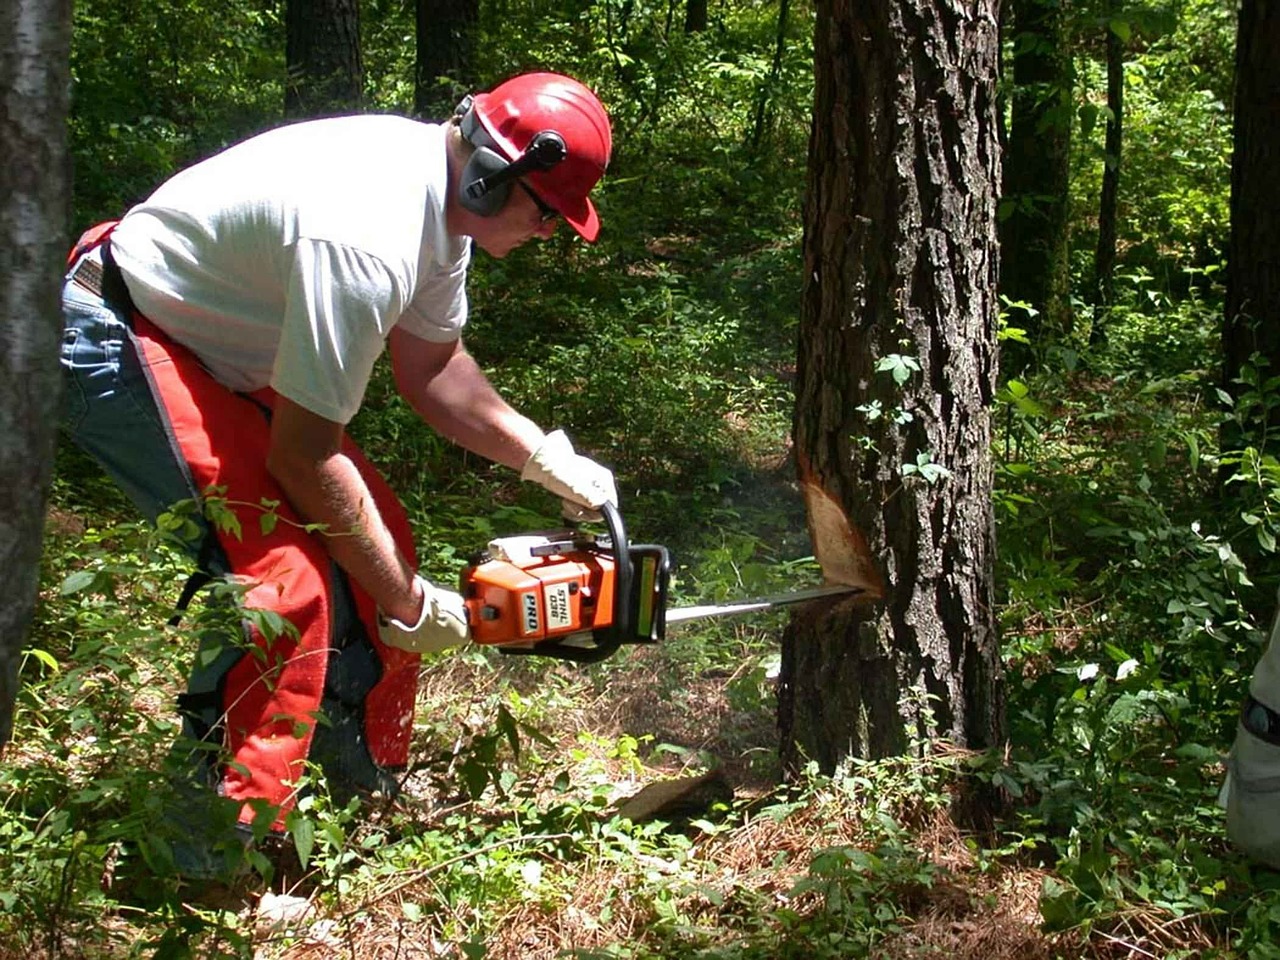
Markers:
35,47
695,16
1108,213
322,55
1034,226
896,375
771,82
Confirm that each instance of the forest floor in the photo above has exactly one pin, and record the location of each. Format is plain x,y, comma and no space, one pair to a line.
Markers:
954,902
531,860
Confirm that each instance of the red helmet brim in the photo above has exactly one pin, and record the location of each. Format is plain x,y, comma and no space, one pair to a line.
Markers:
583,218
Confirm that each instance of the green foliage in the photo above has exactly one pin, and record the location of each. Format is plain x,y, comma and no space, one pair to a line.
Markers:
158,85
1132,594
1132,628
1176,167
82,797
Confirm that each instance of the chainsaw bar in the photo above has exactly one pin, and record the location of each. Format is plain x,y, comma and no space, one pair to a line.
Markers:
701,612
572,597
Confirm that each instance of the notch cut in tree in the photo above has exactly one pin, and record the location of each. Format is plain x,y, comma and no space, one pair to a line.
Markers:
841,551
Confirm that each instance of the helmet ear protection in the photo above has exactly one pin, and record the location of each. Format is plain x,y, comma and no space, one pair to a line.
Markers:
488,175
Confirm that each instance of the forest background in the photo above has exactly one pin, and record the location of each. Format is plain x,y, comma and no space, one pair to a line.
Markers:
1136,565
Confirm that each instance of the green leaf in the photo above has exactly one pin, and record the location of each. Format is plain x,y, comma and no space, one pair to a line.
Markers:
44,657
1007,783
475,775
1058,905
900,367
507,727
1088,119
304,837
77,582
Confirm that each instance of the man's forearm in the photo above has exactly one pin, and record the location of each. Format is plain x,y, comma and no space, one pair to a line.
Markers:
461,404
332,492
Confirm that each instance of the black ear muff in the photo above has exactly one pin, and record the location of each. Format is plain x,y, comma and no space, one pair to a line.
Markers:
479,193
488,175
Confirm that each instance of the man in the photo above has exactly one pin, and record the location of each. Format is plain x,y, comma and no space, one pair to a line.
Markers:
222,335
1251,792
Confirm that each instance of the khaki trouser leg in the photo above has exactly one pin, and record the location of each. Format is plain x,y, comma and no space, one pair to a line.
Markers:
1252,791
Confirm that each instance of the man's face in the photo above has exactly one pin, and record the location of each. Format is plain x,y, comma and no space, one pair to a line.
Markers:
518,221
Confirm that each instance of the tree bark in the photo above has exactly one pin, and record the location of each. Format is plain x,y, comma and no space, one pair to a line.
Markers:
1104,261
35,76
1252,315
695,16
771,81
445,43
1034,212
322,55
901,261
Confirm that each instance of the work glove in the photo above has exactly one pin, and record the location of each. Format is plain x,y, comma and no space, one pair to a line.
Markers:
442,623
579,481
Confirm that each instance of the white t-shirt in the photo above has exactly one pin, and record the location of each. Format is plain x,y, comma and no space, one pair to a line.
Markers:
286,260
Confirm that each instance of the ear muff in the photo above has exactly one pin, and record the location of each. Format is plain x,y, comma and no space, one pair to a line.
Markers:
488,175
478,193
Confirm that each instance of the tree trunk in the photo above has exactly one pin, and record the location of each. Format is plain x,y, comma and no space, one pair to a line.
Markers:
1252,318
322,53
1034,234
1104,261
35,77
771,81
445,36
895,378
695,16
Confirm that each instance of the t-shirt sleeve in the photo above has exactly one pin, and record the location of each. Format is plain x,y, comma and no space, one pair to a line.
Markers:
438,310
340,305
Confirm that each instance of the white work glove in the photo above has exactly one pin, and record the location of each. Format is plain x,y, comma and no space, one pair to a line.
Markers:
442,623
582,483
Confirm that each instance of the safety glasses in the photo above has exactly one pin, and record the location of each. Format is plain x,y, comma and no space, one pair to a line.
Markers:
545,212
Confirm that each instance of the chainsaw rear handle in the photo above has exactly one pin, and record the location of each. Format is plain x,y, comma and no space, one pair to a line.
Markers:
620,631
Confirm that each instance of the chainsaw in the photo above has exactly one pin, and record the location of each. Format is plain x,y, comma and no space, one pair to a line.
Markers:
580,597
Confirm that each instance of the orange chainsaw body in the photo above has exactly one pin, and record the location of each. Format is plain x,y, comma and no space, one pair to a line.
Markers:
567,595
522,601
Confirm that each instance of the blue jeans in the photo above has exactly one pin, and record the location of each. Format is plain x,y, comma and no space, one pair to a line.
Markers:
108,408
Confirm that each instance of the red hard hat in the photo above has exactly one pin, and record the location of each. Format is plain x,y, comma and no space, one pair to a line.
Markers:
515,111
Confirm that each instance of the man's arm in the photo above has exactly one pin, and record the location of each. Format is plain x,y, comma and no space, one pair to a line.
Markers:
324,486
450,392
444,384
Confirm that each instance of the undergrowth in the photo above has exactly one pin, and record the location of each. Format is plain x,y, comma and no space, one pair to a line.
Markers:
1133,608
